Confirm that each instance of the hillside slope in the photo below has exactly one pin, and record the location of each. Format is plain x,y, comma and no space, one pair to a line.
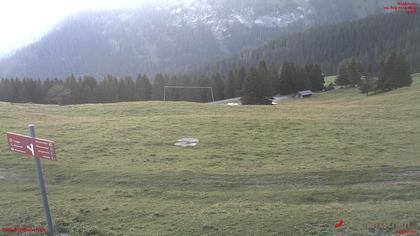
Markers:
370,40
293,169
169,36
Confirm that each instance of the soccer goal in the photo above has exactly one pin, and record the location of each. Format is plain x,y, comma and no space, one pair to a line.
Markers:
166,88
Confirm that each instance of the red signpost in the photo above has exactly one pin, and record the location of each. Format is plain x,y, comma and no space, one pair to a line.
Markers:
37,148
33,147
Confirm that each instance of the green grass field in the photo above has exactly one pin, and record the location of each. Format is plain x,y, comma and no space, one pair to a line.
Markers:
292,169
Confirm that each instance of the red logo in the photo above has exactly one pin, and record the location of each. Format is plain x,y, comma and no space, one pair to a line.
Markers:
339,224
406,7
403,231
23,230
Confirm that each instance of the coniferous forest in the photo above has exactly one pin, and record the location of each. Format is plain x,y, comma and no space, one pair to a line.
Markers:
370,40
265,80
256,85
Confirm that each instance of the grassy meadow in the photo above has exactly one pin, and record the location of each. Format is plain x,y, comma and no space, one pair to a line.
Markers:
292,169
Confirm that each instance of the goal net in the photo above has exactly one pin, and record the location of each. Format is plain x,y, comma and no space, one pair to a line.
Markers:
188,93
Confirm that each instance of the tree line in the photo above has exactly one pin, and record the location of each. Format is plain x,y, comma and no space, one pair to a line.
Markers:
394,72
256,85
265,80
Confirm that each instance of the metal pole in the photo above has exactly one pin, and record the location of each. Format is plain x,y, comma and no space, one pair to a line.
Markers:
212,96
42,186
164,94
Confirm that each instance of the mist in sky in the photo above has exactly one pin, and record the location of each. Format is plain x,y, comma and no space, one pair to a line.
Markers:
24,21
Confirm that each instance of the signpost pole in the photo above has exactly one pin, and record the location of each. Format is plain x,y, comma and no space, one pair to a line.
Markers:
42,186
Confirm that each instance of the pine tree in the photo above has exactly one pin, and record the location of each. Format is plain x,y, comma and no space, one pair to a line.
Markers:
342,75
131,90
274,78
173,94
394,73
382,76
353,72
300,79
240,80
186,94
285,85
265,80
58,94
368,82
122,88
348,72
74,88
158,87
315,77
253,92
402,71
231,85
89,87
144,88
110,89
6,90
205,95
218,87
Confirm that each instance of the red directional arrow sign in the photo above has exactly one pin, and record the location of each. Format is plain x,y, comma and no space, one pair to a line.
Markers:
35,147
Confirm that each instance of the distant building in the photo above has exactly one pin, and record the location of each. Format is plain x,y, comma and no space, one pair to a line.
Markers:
304,94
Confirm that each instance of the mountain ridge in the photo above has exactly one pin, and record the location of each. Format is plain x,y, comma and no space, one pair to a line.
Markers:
370,40
167,36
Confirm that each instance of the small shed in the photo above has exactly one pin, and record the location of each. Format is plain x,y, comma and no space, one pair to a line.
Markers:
304,94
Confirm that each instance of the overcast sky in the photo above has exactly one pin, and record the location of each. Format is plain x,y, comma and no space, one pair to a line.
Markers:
24,21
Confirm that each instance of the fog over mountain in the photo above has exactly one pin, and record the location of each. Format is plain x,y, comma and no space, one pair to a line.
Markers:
172,36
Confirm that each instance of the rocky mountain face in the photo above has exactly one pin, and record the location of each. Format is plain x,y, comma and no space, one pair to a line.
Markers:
172,35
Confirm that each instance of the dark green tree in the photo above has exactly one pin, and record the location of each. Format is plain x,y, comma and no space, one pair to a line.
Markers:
315,77
205,94
394,73
89,87
218,87
158,87
253,92
131,89
144,88
240,80
231,86
342,74
349,72
109,88
368,83
285,84
265,78
75,91
58,94
354,74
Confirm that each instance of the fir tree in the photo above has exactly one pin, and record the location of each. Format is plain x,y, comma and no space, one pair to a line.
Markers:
253,92
144,88
368,83
394,73
315,77
231,85
158,87
342,75
240,80
205,95
218,87
285,85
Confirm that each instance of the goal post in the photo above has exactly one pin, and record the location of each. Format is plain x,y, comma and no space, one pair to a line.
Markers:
165,88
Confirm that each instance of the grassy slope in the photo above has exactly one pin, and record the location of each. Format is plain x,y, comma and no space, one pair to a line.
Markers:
257,170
